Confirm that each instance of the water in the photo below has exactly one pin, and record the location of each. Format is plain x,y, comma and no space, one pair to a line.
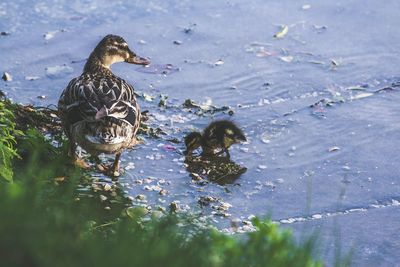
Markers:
324,167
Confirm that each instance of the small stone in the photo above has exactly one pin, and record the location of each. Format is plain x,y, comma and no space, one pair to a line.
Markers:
7,77
107,208
163,192
103,197
177,42
4,33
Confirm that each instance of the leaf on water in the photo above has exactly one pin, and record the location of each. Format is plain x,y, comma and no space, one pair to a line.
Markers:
284,30
333,148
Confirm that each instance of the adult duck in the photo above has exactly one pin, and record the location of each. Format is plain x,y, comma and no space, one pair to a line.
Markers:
99,110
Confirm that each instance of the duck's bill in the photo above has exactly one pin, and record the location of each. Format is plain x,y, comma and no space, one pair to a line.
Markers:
138,60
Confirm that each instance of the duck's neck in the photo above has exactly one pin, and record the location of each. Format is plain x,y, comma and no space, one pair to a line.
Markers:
95,64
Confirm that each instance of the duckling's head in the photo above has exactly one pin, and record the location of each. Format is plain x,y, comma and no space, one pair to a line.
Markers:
192,142
231,133
114,48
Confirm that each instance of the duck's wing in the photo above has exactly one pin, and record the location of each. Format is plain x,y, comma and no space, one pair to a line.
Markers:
86,95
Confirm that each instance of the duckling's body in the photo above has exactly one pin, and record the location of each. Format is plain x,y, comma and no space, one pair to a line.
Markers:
99,110
217,135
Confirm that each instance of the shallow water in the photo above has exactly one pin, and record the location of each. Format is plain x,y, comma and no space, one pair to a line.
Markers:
323,166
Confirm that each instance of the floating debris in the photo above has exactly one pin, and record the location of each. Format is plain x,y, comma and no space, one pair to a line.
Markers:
41,96
262,167
205,108
142,42
164,69
32,78
190,28
362,95
333,148
306,7
319,28
284,30
286,58
206,200
49,35
4,33
219,62
7,77
177,42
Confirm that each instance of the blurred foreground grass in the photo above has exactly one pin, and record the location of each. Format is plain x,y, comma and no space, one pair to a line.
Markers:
46,220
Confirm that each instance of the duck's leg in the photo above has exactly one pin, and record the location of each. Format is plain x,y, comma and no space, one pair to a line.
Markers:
114,169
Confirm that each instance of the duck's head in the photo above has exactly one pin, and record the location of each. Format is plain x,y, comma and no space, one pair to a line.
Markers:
192,142
114,48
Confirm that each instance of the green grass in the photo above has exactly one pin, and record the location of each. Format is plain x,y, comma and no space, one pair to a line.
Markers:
47,221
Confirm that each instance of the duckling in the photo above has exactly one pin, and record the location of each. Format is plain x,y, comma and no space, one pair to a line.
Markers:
218,135
98,110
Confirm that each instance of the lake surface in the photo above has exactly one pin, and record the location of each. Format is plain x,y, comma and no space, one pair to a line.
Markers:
319,106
